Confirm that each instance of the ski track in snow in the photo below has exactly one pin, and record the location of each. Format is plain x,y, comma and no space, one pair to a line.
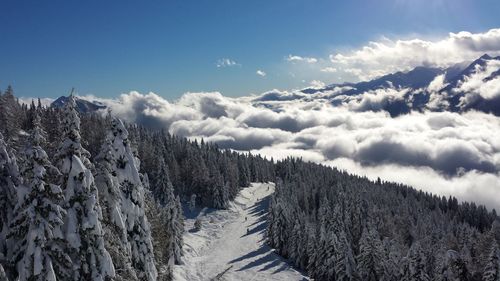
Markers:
224,244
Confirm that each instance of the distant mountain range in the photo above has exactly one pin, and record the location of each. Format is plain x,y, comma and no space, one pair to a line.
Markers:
451,96
417,95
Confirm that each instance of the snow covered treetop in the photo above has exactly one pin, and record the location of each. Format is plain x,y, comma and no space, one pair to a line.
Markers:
70,119
37,135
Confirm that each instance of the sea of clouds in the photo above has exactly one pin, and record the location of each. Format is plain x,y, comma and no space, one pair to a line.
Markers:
440,152
445,153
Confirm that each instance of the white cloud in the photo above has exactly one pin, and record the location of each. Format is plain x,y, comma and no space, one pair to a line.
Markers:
442,152
43,101
261,73
225,62
317,84
479,82
291,58
329,69
386,56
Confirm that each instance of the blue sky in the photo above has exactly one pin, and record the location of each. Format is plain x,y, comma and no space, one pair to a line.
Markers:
171,47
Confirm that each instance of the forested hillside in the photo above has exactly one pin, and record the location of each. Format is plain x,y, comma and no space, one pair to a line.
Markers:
87,197
337,226
77,203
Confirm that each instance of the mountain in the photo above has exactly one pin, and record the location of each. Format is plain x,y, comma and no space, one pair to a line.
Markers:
461,100
418,96
416,78
82,105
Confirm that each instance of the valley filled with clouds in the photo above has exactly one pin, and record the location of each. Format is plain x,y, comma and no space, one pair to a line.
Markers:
440,152
435,128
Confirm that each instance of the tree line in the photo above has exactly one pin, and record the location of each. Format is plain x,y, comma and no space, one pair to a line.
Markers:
338,226
87,197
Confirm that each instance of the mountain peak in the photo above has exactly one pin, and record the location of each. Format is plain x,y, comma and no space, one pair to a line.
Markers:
486,57
82,105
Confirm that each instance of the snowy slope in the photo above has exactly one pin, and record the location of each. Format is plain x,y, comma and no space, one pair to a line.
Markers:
224,244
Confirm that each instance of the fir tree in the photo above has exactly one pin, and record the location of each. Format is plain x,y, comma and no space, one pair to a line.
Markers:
370,256
3,275
10,119
162,236
82,226
10,180
133,204
492,268
345,265
416,265
162,187
454,268
39,253
110,197
178,229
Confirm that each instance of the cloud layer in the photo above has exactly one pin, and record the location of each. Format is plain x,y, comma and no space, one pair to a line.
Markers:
442,152
385,56
382,57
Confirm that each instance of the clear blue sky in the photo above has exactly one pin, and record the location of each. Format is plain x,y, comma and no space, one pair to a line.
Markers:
171,47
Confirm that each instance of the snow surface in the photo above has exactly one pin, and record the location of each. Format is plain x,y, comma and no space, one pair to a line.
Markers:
224,244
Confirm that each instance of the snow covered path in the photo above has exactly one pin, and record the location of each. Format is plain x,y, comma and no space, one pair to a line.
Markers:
223,246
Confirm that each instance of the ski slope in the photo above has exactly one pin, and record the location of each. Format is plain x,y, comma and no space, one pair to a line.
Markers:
228,247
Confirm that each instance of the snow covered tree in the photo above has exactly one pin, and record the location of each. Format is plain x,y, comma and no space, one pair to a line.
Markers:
326,256
110,197
391,261
345,265
3,275
244,172
9,182
162,187
454,268
39,251
163,236
178,229
82,225
132,203
10,121
219,191
416,265
370,255
171,210
192,202
492,269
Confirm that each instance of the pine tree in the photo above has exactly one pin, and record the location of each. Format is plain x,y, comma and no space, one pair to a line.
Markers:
163,191
416,265
82,226
327,256
390,261
178,229
492,269
370,255
133,205
345,265
219,191
3,275
10,180
39,251
454,268
159,220
110,197
10,121
162,187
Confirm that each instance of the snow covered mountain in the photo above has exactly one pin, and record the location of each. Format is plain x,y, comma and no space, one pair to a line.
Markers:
115,193
82,105
459,88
